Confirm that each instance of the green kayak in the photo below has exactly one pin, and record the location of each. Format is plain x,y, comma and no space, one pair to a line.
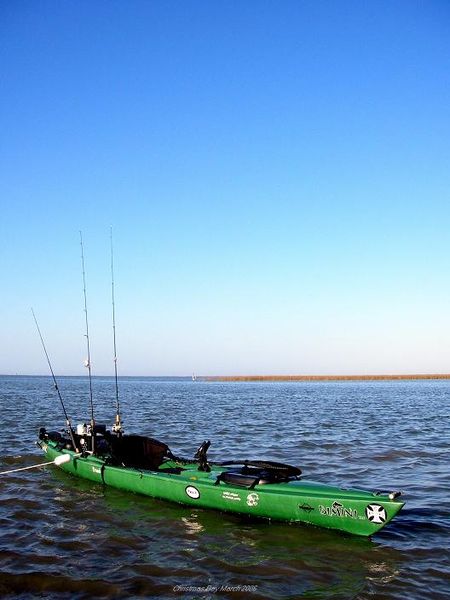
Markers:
260,489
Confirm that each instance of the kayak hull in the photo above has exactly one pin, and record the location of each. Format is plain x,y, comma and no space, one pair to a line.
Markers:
356,512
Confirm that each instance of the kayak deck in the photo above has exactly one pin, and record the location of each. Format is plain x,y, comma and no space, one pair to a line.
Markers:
226,489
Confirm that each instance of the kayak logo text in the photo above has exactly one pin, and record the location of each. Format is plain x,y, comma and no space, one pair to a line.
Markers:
338,510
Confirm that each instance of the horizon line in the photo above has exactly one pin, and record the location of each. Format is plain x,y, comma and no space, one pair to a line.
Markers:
237,378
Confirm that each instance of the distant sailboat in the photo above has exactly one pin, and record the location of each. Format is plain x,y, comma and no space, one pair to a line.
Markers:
194,377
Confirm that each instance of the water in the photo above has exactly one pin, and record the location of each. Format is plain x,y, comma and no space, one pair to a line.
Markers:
62,537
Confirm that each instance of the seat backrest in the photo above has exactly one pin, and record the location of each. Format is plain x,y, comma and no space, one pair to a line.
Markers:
139,451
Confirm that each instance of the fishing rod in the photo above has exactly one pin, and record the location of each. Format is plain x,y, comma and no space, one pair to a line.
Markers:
55,383
118,424
88,361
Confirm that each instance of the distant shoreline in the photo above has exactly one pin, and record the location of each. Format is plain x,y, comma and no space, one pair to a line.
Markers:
323,377
237,378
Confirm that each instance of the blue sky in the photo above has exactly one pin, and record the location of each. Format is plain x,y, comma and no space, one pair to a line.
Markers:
276,175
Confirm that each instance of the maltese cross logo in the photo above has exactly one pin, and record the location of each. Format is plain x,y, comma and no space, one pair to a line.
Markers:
376,513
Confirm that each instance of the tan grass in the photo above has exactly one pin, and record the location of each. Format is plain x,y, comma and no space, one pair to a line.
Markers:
323,377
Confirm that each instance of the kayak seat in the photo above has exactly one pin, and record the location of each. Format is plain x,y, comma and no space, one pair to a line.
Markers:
266,469
258,473
138,451
237,478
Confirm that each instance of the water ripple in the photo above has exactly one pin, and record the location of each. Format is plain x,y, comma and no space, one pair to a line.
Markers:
61,537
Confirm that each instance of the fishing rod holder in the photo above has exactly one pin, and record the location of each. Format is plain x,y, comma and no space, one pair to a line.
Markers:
201,456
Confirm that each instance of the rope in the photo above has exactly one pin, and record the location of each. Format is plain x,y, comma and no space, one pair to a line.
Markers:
26,468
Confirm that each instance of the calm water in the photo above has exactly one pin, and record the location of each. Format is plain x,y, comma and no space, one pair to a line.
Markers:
61,537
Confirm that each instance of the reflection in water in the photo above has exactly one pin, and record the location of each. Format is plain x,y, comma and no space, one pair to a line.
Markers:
191,524
382,572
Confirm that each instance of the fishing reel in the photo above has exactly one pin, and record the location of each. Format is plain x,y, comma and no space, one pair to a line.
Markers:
117,427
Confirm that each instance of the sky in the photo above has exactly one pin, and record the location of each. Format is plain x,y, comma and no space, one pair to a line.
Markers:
276,176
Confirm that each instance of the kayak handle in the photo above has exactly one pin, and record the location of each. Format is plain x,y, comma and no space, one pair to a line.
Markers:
391,495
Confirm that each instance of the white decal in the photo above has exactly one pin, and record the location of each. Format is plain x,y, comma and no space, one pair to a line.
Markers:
376,513
96,470
252,499
192,492
231,496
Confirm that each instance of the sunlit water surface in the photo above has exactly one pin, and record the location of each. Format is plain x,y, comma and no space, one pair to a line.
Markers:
62,537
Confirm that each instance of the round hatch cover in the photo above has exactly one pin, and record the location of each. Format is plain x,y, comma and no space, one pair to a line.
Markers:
192,492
